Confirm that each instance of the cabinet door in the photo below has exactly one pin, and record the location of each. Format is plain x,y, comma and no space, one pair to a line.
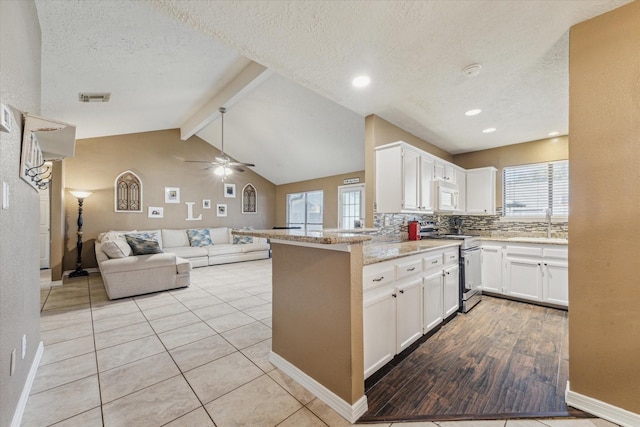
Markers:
556,282
492,268
481,191
379,334
389,179
524,278
450,173
410,176
432,301
427,201
461,181
451,298
438,171
408,314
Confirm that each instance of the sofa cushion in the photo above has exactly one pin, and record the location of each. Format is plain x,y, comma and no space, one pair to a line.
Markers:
116,248
220,235
189,251
224,249
143,243
112,233
182,265
242,240
199,237
174,238
254,247
134,263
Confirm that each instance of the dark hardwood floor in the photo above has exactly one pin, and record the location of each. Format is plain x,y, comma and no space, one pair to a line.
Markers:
503,359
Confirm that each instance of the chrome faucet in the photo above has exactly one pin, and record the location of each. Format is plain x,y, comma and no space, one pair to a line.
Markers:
548,219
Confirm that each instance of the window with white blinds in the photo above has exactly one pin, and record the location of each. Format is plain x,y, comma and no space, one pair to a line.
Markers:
529,190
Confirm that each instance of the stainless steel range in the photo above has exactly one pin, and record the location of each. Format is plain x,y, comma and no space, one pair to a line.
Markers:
470,262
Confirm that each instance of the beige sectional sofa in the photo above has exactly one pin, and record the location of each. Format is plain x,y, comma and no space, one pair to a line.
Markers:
223,250
125,274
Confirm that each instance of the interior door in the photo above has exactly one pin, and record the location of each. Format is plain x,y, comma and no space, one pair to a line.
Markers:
45,229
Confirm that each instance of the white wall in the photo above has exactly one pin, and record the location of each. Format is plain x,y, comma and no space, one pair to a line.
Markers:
20,49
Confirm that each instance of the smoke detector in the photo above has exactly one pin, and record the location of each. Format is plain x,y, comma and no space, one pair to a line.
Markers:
472,70
95,97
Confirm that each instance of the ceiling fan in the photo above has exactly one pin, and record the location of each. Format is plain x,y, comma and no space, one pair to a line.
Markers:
222,165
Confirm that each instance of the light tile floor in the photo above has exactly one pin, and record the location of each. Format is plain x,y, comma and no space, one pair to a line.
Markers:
197,356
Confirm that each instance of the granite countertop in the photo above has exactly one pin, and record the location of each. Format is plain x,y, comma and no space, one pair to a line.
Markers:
318,237
378,252
539,240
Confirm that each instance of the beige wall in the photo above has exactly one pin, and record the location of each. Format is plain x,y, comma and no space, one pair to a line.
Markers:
328,184
20,49
604,284
157,158
317,315
544,150
378,132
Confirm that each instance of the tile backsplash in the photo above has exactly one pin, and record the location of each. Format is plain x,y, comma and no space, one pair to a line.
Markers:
393,227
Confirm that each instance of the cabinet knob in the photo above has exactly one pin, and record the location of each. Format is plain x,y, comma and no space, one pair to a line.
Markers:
394,295
402,291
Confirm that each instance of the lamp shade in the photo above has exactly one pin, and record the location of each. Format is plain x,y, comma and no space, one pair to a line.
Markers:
79,194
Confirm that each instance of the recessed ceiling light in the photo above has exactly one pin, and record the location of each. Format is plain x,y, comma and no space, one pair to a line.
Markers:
361,81
488,130
554,133
473,112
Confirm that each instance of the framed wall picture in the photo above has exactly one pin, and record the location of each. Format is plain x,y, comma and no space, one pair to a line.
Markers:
171,195
206,204
156,212
229,190
221,209
249,199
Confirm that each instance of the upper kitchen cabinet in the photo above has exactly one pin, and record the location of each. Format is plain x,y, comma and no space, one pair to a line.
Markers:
444,171
481,191
403,179
461,182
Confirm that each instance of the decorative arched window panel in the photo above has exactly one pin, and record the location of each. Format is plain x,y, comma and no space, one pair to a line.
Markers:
128,192
249,199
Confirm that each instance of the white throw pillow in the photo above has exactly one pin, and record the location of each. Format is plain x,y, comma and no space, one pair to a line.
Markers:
116,248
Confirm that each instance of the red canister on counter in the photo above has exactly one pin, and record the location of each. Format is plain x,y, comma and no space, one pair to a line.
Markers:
414,230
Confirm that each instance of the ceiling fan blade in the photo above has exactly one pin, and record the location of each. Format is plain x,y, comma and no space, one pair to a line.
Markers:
222,159
241,164
236,168
196,161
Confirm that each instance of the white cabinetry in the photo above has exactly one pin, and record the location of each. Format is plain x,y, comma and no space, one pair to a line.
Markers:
532,272
403,179
405,298
481,191
444,171
491,266
461,181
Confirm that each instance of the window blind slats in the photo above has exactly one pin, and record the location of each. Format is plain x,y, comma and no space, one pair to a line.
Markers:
530,190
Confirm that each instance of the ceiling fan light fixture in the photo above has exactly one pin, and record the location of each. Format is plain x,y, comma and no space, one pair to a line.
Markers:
223,171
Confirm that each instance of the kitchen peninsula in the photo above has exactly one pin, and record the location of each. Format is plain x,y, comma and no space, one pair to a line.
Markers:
318,309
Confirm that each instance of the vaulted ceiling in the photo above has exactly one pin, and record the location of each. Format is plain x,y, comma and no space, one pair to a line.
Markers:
171,63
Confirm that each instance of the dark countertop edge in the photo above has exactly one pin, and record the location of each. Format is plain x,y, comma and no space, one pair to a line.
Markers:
317,237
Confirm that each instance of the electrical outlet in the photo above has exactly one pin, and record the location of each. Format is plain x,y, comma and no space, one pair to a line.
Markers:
24,346
13,362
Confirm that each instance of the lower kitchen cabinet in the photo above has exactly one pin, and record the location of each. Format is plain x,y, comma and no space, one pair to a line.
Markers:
451,292
433,301
532,272
379,332
408,313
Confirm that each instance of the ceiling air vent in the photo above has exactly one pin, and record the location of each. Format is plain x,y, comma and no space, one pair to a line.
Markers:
95,97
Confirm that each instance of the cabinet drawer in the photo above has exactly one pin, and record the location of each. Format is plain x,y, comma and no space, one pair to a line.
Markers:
555,253
409,268
378,278
523,251
451,257
433,262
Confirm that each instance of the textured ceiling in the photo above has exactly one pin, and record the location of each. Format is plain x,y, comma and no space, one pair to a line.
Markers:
164,59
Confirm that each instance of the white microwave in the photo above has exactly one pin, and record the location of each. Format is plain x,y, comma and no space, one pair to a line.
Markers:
446,196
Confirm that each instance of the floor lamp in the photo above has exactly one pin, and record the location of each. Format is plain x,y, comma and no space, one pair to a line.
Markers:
80,195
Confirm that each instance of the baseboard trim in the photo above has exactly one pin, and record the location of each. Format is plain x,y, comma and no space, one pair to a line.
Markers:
350,412
601,409
26,390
